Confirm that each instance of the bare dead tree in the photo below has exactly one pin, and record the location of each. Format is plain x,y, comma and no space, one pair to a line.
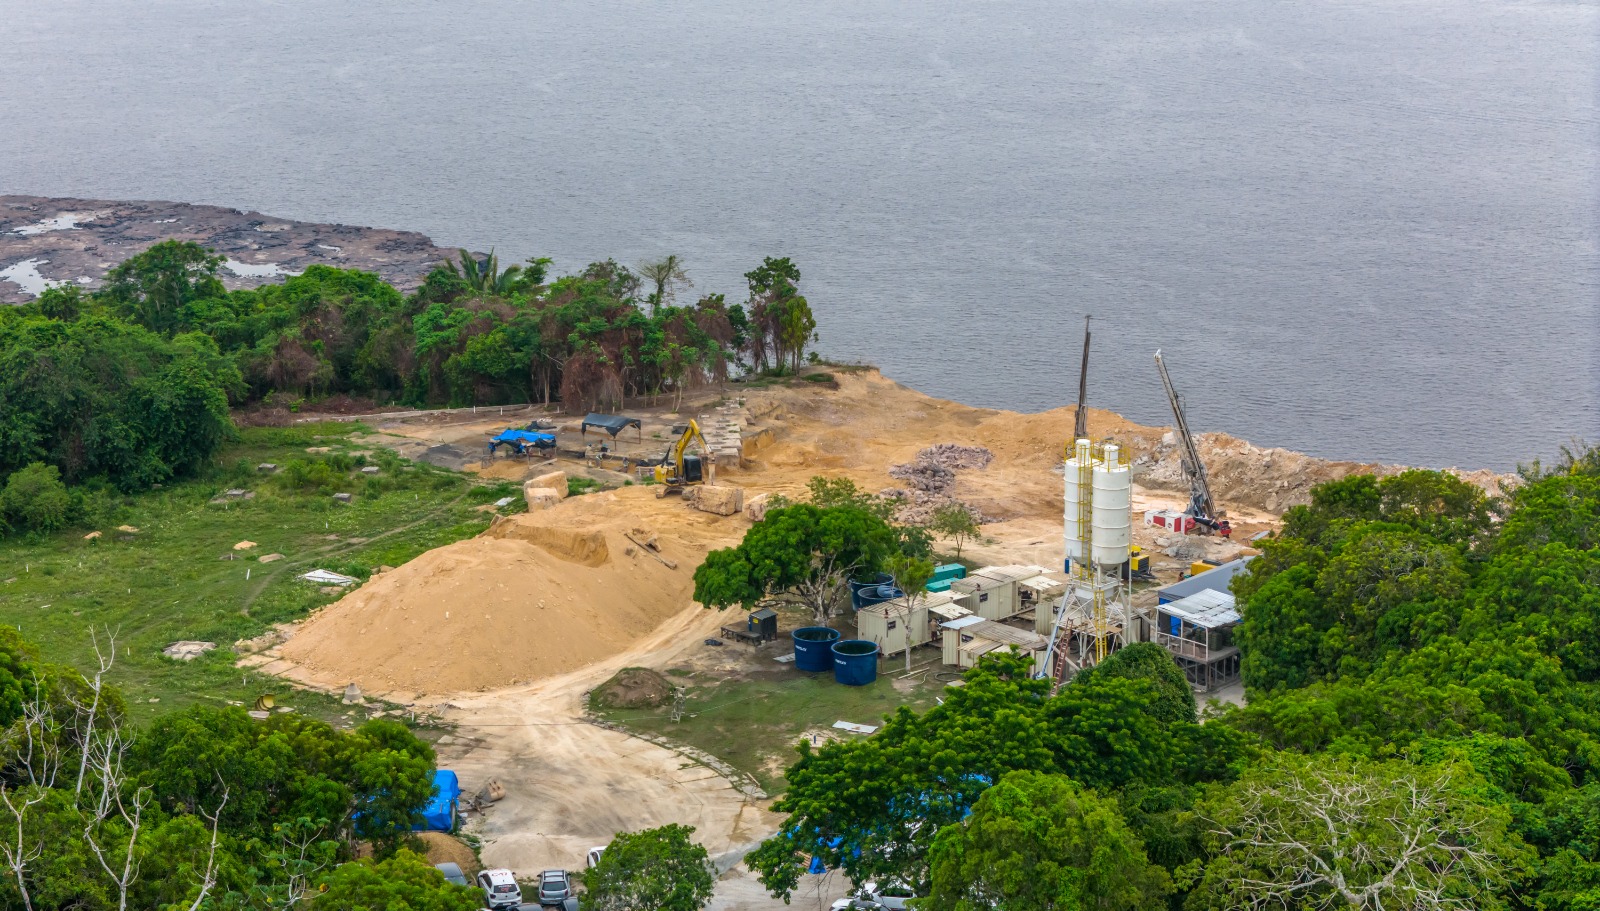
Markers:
89,715
1323,835
103,755
37,755
293,852
208,880
113,812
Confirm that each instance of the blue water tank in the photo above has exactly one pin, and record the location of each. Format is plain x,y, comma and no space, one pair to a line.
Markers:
813,648
877,594
855,662
874,581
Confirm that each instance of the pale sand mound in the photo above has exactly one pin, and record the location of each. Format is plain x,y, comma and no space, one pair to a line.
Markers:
537,595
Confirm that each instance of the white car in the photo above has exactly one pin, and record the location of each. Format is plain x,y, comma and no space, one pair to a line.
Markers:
891,895
870,897
500,889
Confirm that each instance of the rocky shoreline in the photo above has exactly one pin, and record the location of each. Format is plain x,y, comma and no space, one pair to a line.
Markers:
51,240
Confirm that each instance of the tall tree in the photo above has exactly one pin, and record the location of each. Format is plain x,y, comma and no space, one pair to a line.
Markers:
1038,842
153,286
665,274
911,575
954,523
652,870
484,276
799,554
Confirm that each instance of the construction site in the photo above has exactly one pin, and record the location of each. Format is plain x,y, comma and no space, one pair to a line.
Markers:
1095,532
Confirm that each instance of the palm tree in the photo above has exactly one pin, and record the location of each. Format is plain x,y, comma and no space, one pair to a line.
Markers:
484,276
664,274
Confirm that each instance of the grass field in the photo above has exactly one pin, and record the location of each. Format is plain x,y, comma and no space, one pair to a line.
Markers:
753,722
170,581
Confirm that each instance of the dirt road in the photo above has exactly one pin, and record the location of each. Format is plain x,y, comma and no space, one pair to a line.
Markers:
571,785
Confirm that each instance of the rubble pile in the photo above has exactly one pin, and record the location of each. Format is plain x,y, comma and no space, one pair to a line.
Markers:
926,477
956,457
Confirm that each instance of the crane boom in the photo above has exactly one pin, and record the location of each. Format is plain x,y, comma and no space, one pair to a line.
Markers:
1080,423
1200,502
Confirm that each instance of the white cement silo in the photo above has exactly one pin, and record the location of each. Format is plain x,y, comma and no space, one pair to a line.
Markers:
1113,510
1078,503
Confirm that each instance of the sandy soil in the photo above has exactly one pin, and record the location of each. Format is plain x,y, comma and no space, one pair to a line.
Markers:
538,595
572,785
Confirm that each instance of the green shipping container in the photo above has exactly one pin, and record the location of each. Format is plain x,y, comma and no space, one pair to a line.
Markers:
939,585
948,571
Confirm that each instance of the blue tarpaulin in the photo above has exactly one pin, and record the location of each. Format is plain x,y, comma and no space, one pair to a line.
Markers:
440,814
526,436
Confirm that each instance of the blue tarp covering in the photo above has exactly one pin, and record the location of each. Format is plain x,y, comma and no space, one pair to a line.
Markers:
439,815
526,436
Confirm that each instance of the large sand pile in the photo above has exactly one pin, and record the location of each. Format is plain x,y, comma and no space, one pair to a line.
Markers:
536,595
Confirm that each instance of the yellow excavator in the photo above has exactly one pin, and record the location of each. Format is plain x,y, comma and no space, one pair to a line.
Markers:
680,470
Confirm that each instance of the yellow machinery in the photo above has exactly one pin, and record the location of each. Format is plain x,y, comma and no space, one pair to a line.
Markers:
680,469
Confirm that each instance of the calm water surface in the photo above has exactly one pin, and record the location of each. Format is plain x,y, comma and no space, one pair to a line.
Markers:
1362,228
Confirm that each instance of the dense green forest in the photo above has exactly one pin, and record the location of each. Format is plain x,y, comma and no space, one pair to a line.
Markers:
131,385
204,808
1422,732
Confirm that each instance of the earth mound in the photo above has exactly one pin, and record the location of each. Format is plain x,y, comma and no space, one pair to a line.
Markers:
633,688
537,595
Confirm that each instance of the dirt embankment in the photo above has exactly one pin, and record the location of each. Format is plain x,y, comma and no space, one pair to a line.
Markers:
535,596
44,239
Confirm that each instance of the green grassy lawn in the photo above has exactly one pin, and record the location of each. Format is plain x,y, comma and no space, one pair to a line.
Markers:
169,581
753,722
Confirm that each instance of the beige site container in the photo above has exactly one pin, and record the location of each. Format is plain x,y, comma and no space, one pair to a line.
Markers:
892,625
989,593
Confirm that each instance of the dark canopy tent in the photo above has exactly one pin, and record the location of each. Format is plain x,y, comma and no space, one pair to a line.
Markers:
611,423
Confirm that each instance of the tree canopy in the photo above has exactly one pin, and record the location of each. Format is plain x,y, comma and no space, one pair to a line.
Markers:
652,870
132,384
207,807
1421,731
1038,842
801,554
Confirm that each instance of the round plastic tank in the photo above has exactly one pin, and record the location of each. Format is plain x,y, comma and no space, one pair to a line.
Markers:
856,587
1113,510
877,594
1076,497
855,662
813,648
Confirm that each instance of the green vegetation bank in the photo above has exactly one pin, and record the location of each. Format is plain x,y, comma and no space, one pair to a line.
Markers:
1422,729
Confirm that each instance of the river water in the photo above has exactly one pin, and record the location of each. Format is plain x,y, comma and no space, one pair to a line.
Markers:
1360,228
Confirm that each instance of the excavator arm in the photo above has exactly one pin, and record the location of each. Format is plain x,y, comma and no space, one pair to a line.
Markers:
671,472
691,434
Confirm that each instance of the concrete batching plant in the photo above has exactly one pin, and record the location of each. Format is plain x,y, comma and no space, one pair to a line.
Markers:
1094,617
